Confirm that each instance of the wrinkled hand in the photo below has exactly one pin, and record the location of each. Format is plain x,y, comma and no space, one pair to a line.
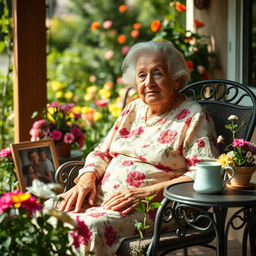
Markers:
126,200
74,198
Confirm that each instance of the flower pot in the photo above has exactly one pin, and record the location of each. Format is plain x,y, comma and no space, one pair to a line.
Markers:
63,150
242,177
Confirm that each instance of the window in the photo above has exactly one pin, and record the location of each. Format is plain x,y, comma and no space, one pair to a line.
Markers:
249,41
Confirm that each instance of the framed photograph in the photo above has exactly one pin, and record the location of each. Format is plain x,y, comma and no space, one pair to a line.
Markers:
34,160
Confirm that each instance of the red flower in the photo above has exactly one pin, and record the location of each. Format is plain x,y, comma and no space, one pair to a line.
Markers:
155,25
110,235
189,64
180,7
102,102
124,133
183,114
200,143
167,136
122,8
198,23
135,178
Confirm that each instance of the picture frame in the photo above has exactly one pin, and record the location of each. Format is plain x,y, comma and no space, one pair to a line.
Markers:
34,160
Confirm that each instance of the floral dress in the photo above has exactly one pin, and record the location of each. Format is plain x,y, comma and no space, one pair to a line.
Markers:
138,153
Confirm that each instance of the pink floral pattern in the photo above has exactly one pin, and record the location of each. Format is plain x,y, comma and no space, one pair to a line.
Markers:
110,235
192,161
183,114
135,178
167,136
200,143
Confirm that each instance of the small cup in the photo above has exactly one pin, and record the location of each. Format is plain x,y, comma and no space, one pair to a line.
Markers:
210,178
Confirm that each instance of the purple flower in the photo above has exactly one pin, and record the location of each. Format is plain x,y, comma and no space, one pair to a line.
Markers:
56,135
54,104
66,107
69,138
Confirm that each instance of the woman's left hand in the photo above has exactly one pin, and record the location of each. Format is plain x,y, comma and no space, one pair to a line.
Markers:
126,200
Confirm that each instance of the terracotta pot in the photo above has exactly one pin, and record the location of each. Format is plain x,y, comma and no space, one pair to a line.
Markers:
243,176
63,150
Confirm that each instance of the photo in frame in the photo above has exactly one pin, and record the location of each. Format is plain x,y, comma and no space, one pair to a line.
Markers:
34,160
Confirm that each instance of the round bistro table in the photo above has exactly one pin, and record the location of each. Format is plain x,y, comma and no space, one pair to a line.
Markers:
194,207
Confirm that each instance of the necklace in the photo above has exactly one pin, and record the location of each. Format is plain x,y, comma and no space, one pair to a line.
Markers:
161,116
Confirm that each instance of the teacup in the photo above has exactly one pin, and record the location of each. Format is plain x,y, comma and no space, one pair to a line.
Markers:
210,178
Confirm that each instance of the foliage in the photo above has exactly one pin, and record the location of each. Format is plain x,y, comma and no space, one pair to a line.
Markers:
144,207
6,95
8,178
60,123
28,228
240,152
194,46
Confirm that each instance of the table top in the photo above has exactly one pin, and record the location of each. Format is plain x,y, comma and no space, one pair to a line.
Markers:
184,192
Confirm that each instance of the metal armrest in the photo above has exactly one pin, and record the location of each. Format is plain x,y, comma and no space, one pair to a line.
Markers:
67,172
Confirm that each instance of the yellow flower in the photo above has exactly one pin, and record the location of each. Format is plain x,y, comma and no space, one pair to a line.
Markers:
69,95
225,160
105,93
76,110
97,116
56,86
86,110
108,85
92,89
115,110
59,94
20,198
88,97
49,114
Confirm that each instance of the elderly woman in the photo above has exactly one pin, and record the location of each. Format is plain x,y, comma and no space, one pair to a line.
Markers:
155,142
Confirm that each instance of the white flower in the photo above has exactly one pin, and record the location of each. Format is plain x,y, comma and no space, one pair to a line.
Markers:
248,154
42,190
231,154
232,117
220,139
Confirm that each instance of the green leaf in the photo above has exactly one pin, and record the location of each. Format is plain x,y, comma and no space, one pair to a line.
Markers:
138,225
35,114
155,205
141,207
150,198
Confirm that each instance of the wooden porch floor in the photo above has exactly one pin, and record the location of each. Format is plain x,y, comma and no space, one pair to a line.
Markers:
234,249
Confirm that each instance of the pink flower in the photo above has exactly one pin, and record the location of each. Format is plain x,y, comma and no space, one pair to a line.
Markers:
135,178
107,24
124,133
38,124
31,205
56,135
240,142
92,78
5,202
182,114
5,152
188,121
127,163
167,136
124,112
54,104
35,133
109,55
69,138
125,50
102,102
116,186
66,107
105,178
200,143
82,235
119,80
137,131
162,121
110,235
79,136
192,161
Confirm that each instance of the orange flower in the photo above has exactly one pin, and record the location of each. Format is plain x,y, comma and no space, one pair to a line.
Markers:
198,23
180,7
122,8
136,25
121,39
134,33
189,64
155,25
95,25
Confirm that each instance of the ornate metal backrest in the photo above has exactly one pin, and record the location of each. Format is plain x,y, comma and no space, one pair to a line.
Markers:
223,98
67,172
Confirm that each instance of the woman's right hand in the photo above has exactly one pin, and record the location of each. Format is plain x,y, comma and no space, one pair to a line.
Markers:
74,198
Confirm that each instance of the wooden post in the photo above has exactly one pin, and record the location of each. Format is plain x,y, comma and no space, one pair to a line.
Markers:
29,73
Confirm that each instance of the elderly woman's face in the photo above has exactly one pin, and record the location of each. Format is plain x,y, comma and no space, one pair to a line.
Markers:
155,84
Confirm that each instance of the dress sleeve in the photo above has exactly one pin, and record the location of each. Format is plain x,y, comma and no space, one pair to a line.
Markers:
98,160
200,142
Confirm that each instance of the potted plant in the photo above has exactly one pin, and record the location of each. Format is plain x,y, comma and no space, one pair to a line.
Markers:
241,155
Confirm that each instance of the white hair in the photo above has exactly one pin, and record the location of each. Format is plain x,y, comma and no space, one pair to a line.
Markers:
174,60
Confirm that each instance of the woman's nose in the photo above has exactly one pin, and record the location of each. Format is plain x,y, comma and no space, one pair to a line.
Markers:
149,81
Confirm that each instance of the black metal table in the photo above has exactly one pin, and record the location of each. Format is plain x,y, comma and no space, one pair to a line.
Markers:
194,207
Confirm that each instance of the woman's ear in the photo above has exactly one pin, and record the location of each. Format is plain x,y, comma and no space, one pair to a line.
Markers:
177,84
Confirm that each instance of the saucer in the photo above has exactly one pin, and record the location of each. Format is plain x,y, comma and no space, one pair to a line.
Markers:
249,186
